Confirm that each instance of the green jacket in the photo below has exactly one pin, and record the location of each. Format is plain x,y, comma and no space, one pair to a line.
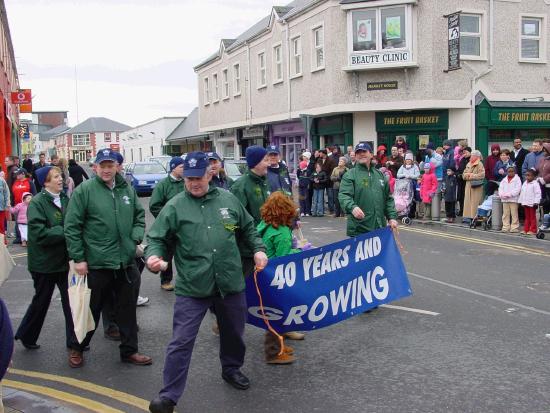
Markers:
103,226
165,190
252,190
47,251
205,232
368,189
277,241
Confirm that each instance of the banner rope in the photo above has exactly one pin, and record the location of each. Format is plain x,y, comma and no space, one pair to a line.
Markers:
398,241
266,321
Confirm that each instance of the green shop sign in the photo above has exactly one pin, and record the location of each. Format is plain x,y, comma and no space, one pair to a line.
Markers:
521,117
414,120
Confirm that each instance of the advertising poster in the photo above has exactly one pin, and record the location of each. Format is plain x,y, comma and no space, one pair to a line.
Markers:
364,31
393,27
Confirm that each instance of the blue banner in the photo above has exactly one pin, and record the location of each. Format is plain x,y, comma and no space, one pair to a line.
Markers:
326,285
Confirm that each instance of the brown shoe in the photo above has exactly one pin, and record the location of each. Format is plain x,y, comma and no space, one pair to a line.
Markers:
76,358
293,335
138,359
282,359
112,334
167,287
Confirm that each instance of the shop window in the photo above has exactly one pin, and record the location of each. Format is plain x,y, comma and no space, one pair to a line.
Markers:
531,39
262,72
236,79
470,36
277,63
318,58
296,68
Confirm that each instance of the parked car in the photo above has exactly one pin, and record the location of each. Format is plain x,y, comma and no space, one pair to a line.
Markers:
143,176
235,169
164,160
91,161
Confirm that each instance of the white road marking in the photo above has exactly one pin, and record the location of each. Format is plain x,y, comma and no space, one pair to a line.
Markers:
412,310
491,297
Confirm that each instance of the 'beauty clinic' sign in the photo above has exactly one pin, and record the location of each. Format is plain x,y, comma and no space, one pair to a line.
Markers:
380,58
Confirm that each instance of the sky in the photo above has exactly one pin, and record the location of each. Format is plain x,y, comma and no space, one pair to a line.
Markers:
130,60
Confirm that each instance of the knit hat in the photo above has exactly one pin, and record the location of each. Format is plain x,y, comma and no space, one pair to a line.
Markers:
409,156
42,173
307,155
254,155
427,166
430,145
175,162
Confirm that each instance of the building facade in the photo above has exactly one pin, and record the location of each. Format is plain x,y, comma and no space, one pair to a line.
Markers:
187,138
9,82
330,72
149,139
82,141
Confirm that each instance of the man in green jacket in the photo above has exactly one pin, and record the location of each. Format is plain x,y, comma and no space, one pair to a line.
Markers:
204,223
165,190
252,190
365,195
104,224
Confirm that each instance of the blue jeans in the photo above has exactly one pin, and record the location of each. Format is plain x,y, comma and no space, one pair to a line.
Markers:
318,204
305,205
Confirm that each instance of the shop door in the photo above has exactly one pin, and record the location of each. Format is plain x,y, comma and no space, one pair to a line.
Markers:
291,148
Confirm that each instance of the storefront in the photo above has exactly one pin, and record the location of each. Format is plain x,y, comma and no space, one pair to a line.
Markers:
502,122
291,139
332,131
254,135
416,127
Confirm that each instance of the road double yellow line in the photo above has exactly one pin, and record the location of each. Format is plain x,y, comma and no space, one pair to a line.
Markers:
119,396
512,247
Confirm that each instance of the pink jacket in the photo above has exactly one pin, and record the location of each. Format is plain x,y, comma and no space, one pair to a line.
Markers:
21,211
509,191
530,194
428,186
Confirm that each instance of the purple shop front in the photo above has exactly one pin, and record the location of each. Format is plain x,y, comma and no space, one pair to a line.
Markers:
291,139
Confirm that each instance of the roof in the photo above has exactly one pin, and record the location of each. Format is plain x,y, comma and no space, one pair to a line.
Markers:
284,12
92,125
51,133
528,103
188,128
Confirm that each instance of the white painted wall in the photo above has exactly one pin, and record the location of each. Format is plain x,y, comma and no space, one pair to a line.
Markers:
364,127
460,124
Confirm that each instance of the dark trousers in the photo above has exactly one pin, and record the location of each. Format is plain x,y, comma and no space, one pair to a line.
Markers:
337,209
124,283
461,186
188,314
330,200
450,209
305,202
167,276
310,198
44,285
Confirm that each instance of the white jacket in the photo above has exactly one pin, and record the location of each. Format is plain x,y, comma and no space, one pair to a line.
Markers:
530,194
411,173
509,191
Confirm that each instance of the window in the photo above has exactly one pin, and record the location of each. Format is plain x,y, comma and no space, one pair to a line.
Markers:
277,63
296,44
531,38
81,140
237,79
117,137
225,86
379,29
215,86
132,154
206,91
152,151
262,75
318,48
140,155
107,137
470,35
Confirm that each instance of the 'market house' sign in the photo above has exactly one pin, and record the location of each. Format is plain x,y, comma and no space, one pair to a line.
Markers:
380,35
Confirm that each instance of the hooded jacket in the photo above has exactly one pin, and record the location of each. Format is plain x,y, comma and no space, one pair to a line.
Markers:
21,210
508,191
491,162
47,248
428,186
530,194
367,188
411,172
104,225
277,241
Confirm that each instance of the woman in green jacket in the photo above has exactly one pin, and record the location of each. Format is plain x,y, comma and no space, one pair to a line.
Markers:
278,215
48,261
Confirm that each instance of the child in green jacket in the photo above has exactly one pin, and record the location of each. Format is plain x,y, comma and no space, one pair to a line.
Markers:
278,215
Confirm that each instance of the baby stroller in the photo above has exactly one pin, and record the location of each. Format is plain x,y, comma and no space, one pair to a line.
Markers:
544,227
403,196
484,214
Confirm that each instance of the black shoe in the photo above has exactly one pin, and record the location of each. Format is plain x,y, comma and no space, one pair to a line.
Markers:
237,380
161,405
112,334
31,346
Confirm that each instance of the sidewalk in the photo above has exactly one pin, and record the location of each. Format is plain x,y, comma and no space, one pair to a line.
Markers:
17,401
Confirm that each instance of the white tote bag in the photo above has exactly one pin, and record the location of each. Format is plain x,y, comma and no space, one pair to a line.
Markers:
6,261
79,299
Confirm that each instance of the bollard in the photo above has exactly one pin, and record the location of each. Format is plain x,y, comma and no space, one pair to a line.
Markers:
436,206
496,214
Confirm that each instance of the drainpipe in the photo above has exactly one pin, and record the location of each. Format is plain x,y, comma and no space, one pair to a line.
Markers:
288,86
484,73
249,87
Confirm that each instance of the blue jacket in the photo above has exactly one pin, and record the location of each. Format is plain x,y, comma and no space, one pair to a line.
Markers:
436,160
531,161
448,160
501,165
278,179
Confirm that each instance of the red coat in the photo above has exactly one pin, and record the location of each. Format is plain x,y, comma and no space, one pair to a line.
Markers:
428,186
19,187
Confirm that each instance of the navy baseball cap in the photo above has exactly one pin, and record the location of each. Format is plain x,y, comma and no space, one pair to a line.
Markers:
106,155
119,157
273,149
363,146
195,165
213,155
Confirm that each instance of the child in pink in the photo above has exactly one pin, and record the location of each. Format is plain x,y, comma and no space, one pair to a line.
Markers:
21,211
529,198
428,188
